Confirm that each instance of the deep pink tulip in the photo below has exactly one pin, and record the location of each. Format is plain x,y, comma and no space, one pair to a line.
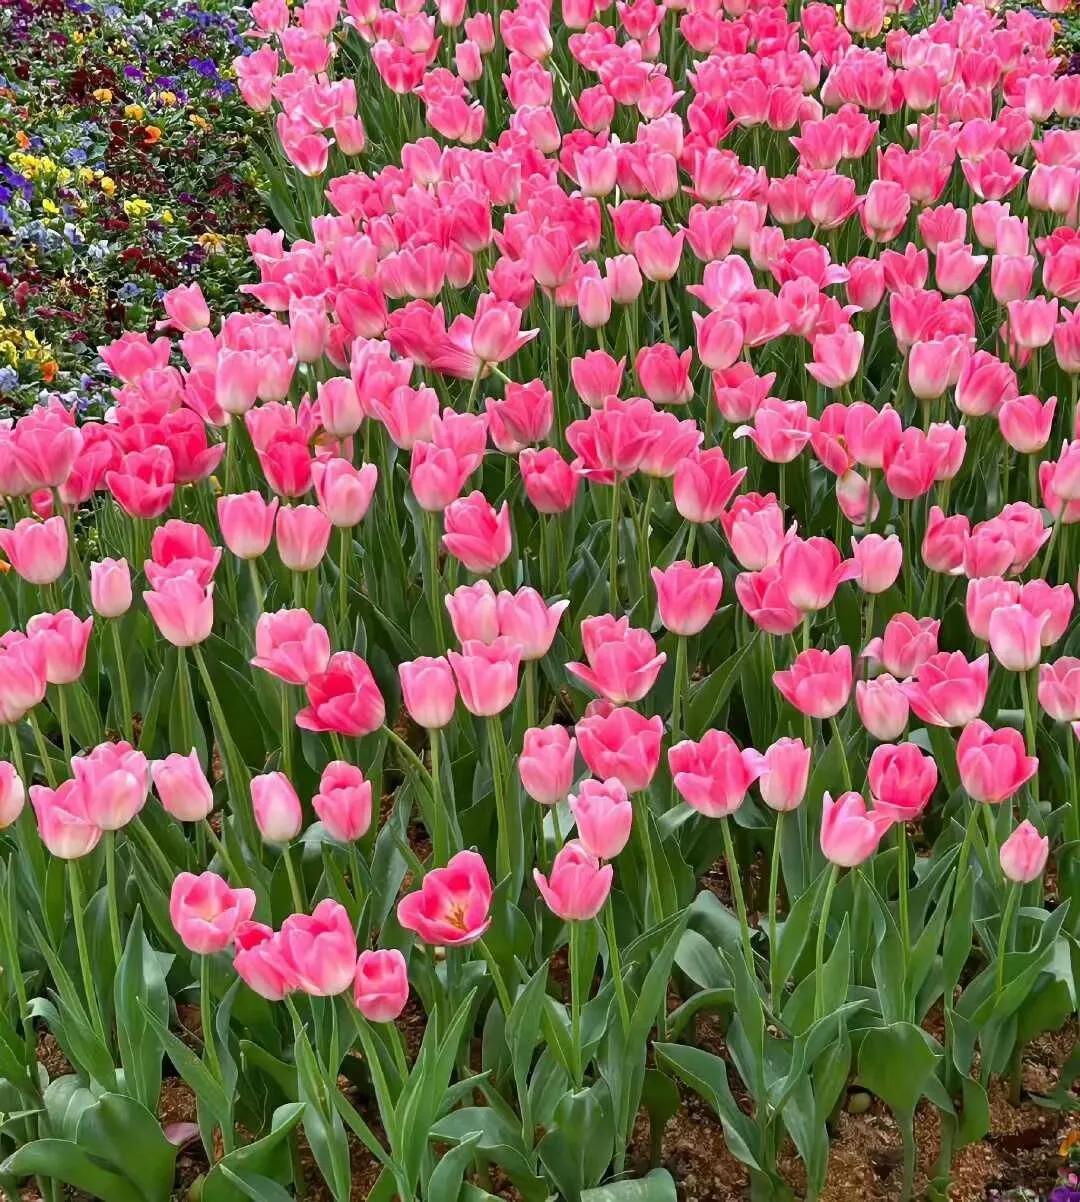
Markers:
476,533
343,802
811,570
38,551
883,707
1016,637
247,523
277,808
63,821
1024,853
849,832
381,985
907,643
664,374
259,963
902,780
344,699
623,661
320,949
763,596
145,482
993,764
713,775
878,560
818,683
527,619
687,596
182,609
63,639
546,763
474,612
344,492
945,541
577,886
303,532
784,774
704,484
948,690
182,786
620,742
428,690
754,526
291,645
1059,689
452,907
550,482
486,675
604,817
110,587
206,912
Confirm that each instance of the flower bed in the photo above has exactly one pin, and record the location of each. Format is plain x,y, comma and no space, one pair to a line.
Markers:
124,173
565,682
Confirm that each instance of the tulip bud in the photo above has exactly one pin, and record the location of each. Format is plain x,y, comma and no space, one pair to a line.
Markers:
277,808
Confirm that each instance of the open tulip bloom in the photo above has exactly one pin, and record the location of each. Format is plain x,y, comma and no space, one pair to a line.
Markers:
629,518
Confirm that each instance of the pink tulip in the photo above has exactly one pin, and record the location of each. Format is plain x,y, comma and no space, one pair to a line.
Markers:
984,595
704,484
902,780
22,676
38,551
1026,423
687,596
258,961
291,645
303,532
452,906
577,886
811,570
110,587
763,596
878,561
907,643
63,821
247,523
343,802
1052,602
1024,853
1059,689
344,699
476,534
319,949
523,416
344,492
437,475
993,764
818,683
206,912
623,662
1016,637
182,609
527,619
182,786
754,526
145,482
945,541
63,639
836,357
849,832
620,742
115,779
948,690
474,612
339,407
784,774
550,483
277,808
486,675
12,794
596,376
428,690
604,816
381,985
546,763
883,707
713,775
187,307
664,374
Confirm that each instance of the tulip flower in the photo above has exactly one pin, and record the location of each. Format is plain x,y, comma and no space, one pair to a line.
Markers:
115,779
343,802
452,906
486,675
811,570
623,662
38,551
344,699
110,587
182,786
907,644
577,886
319,950
713,775
291,645
850,832
1059,689
784,772
527,619
604,817
1016,637
428,690
902,779
546,763
687,596
12,794
1023,855
182,609
878,561
63,640
206,912
63,820
258,961
621,743
277,808
381,985
993,764
948,690
818,683
883,707
477,534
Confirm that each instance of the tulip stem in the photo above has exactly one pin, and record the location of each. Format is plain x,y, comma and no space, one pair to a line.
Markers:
127,728
843,753
613,544
111,896
1004,935
819,956
576,968
294,880
440,835
498,781
343,582
774,887
407,752
207,1024
43,749
435,600
1073,820
1028,688
78,921
737,894
640,803
218,844
62,714
286,731
187,722
680,688
902,879
615,965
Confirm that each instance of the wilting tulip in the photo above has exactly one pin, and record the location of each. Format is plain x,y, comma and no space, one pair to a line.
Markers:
577,886
452,906
381,985
205,911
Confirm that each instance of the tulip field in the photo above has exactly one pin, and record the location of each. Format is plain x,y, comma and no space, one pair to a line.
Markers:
561,681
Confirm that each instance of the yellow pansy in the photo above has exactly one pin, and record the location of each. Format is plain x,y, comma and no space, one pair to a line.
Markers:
50,206
137,207
102,95
167,98
134,112
108,185
167,217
